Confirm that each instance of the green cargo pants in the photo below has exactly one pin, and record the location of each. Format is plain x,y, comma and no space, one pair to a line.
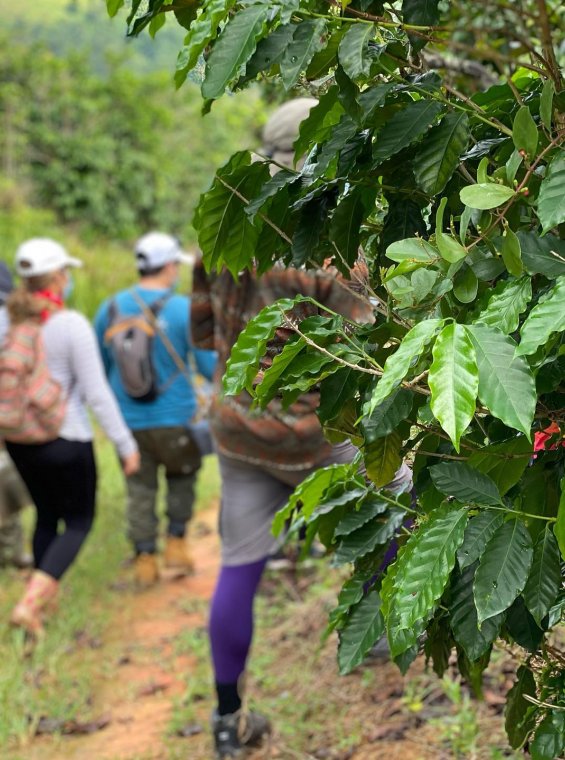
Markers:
173,449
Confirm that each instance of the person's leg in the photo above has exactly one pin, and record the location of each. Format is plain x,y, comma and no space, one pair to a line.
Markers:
142,519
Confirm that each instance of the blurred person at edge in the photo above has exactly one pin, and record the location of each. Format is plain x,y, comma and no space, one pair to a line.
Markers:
262,456
61,475
160,423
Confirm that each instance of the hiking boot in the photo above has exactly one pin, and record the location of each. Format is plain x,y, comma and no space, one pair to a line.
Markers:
39,595
177,556
235,732
146,570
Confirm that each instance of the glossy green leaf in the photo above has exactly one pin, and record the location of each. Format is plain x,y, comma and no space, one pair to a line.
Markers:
504,462
269,52
518,714
439,155
506,383
467,485
383,458
475,641
362,630
505,306
364,540
398,364
309,493
479,531
420,13
503,569
549,738
368,509
319,123
543,320
309,38
525,132
269,385
250,346
546,103
449,248
454,381
543,255
404,128
354,55
345,227
512,253
279,181
427,572
485,196
544,581
465,285
559,526
412,249
551,199
388,415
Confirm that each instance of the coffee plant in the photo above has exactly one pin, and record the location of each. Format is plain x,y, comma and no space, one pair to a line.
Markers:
435,159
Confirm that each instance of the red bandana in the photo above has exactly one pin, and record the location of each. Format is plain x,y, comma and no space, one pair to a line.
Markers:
48,295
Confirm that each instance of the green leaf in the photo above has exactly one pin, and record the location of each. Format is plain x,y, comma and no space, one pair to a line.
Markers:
201,32
388,415
279,181
309,37
269,52
310,491
412,249
345,227
544,255
559,526
454,381
439,155
465,285
543,320
463,618
549,738
503,569
157,22
362,630
525,132
404,128
519,715
551,199
431,561
233,48
353,54
269,385
478,533
505,306
504,462
544,581
368,509
319,123
449,248
485,196
512,253
382,458
546,103
464,483
420,13
398,364
335,391
225,234
250,346
113,6
361,542
506,384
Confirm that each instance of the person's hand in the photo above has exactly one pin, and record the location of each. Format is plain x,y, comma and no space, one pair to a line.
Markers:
131,463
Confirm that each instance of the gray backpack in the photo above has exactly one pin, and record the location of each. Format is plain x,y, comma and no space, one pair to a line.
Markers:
130,338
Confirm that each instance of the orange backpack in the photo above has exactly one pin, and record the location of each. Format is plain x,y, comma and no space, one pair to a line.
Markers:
32,404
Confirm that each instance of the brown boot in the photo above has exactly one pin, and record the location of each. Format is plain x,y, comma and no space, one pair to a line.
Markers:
177,556
40,593
146,570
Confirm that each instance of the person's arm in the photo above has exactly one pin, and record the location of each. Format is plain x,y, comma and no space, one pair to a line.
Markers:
100,327
201,311
94,388
205,362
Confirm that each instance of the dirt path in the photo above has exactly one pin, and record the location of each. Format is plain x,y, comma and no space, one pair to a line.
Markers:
154,681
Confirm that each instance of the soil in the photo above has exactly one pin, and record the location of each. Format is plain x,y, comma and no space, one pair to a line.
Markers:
138,701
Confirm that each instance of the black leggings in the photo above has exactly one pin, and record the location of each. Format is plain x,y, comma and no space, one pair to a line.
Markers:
61,478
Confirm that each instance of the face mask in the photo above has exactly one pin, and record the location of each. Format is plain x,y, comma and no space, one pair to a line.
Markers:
69,287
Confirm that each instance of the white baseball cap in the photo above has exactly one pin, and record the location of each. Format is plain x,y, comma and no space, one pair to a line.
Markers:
155,249
42,255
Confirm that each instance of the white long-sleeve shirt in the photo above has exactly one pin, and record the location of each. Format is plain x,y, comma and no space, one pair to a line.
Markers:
74,361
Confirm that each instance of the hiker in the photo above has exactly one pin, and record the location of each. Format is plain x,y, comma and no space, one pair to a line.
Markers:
144,337
262,456
13,494
52,448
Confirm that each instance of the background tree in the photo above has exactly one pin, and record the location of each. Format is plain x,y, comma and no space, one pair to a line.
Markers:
437,149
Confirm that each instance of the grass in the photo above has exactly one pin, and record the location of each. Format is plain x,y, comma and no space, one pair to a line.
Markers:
56,681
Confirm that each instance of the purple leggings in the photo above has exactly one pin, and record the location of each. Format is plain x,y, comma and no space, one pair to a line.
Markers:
231,619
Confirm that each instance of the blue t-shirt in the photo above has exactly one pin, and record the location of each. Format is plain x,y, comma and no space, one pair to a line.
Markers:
177,402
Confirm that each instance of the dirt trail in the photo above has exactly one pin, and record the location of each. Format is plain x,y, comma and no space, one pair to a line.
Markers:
149,660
